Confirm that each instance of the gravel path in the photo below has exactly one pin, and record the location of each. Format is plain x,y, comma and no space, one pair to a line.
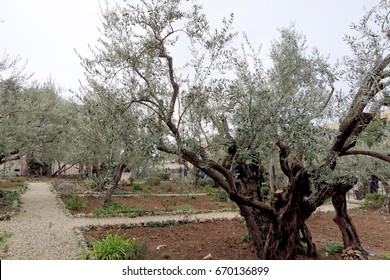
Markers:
42,231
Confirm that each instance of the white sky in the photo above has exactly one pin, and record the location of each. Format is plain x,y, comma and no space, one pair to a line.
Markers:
46,32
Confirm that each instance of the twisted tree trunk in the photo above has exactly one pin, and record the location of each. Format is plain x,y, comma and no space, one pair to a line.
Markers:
342,219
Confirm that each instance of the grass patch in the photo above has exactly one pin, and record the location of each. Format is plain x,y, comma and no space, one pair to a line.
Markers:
4,236
75,203
117,247
166,223
116,208
374,201
333,248
386,256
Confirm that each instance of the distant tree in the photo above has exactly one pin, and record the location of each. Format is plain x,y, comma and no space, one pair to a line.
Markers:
221,111
110,137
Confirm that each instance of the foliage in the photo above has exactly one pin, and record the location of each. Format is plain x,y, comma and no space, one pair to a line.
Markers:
386,256
165,255
333,248
75,203
245,237
137,187
153,181
116,208
117,247
374,201
166,223
221,196
4,236
227,115
163,176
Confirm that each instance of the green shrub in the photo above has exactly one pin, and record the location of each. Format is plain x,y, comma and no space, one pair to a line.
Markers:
75,203
333,248
166,223
386,256
116,247
221,196
10,196
245,237
153,181
4,236
209,182
116,208
374,200
165,255
163,176
209,190
137,187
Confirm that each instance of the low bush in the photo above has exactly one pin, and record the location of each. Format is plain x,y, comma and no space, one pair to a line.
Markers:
153,181
116,208
374,200
166,223
333,248
117,247
221,196
137,186
163,176
75,203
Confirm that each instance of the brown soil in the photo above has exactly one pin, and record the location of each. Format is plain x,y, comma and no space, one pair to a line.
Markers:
161,203
223,239
6,185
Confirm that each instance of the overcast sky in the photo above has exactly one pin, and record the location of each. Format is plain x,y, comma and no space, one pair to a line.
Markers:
46,32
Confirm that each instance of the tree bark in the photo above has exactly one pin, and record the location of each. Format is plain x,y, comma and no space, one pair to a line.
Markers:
276,238
342,219
115,182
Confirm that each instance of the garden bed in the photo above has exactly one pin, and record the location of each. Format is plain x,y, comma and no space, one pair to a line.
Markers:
149,205
226,239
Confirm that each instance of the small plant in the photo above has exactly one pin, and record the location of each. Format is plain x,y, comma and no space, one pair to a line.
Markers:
4,236
153,181
163,176
245,237
209,190
265,188
75,203
137,187
117,247
374,200
166,223
221,196
166,187
386,256
333,248
116,208
209,182
165,255
192,196
234,206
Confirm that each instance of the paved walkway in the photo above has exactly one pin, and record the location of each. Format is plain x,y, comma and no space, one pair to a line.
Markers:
42,231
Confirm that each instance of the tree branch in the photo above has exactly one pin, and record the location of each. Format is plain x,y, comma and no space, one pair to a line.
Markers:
384,157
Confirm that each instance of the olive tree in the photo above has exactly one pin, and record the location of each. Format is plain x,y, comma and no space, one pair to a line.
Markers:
224,113
110,138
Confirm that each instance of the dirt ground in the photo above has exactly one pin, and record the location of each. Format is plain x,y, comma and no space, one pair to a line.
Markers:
223,239
161,203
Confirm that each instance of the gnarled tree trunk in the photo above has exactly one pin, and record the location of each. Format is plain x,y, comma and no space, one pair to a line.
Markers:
348,230
115,182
